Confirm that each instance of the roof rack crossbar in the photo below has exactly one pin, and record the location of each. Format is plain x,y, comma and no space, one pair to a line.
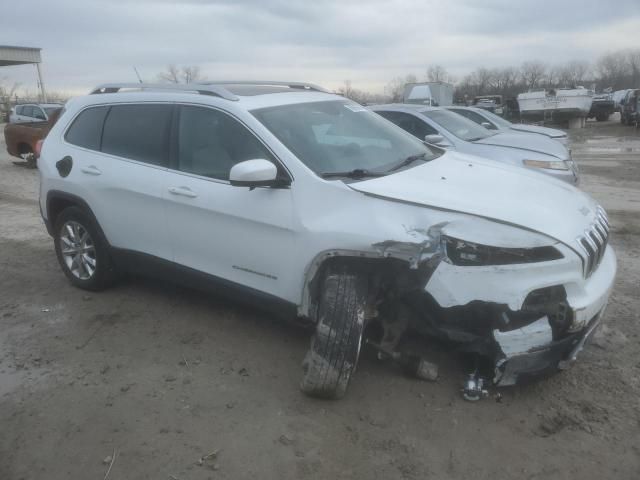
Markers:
200,88
298,85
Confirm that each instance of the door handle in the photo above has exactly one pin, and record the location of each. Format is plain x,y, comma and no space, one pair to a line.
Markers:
91,170
183,191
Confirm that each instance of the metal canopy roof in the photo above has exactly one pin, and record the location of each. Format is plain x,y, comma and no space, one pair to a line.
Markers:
10,55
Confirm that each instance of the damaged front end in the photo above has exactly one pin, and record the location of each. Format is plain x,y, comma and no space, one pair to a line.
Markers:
525,311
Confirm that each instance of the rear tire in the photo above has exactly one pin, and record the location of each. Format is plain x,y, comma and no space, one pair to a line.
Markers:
335,346
82,250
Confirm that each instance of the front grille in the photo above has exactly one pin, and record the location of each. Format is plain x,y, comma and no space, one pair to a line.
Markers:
594,242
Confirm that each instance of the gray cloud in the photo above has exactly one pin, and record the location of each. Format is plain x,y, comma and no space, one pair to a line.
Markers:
369,42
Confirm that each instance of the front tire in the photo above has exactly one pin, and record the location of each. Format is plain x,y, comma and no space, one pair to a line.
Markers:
82,251
335,346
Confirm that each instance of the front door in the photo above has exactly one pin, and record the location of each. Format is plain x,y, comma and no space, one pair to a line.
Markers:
240,235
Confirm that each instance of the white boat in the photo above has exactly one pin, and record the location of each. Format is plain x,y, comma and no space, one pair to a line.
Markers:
556,103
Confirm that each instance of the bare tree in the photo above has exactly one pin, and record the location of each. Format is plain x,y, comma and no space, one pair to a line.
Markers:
191,74
633,59
437,73
394,90
532,73
613,70
7,92
185,74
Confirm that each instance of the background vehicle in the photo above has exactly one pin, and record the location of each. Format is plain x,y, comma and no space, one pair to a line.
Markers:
449,130
494,122
428,93
629,113
22,139
618,97
602,107
492,103
309,205
33,112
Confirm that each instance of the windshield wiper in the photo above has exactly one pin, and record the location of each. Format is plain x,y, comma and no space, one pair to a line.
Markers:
355,173
407,161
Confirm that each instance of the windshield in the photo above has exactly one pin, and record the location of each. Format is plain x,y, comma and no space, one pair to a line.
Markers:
340,136
461,127
498,120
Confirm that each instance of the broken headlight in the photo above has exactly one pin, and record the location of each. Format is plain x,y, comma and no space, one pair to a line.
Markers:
463,253
548,165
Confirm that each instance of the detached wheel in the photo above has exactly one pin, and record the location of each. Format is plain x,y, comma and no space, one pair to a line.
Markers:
82,251
335,346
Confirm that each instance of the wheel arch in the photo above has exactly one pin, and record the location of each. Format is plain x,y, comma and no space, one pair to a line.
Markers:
372,264
57,201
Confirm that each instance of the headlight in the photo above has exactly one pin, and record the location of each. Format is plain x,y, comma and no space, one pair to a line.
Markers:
554,165
463,253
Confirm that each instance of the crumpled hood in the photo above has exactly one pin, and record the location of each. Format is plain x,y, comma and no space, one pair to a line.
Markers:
538,144
549,132
492,190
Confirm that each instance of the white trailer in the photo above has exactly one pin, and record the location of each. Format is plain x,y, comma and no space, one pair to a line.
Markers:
439,94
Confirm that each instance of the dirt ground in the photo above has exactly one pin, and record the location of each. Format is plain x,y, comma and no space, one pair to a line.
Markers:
163,376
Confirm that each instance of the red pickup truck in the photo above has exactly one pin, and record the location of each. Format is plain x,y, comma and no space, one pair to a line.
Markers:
22,138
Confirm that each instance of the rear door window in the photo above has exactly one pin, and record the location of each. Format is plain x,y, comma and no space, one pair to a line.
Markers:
86,129
138,132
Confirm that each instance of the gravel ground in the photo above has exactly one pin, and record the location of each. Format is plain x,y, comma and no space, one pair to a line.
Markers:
163,376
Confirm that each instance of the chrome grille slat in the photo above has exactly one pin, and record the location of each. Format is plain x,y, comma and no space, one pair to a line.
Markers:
594,241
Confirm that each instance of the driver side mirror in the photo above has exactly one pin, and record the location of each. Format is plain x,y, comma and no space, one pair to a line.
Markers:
487,125
437,140
255,173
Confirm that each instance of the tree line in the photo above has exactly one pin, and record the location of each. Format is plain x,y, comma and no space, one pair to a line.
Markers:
616,71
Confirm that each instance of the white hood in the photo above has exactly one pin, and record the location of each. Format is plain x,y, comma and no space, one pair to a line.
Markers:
492,190
549,132
532,143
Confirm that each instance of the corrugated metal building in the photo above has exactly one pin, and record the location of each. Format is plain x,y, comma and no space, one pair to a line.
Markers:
10,55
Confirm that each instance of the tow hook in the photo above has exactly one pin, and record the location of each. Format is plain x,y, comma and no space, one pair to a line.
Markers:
474,388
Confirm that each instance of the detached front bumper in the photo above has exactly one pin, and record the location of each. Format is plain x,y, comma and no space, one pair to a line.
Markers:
537,361
540,347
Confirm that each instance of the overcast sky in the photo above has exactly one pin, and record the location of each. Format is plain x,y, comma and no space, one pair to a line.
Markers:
88,42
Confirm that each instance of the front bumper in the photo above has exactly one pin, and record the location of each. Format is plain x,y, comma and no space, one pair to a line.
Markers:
532,350
539,361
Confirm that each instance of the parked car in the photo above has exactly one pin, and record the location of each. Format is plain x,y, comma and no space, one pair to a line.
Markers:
33,112
449,130
494,122
629,113
307,204
491,103
22,139
618,97
601,107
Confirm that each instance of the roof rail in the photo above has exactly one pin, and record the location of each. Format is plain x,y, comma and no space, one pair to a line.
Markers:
202,89
296,85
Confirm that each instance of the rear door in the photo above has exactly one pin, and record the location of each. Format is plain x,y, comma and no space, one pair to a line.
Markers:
240,235
120,155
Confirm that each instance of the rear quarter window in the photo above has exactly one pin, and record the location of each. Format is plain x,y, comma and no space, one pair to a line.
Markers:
86,129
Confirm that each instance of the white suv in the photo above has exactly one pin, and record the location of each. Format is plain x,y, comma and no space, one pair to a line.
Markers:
309,205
